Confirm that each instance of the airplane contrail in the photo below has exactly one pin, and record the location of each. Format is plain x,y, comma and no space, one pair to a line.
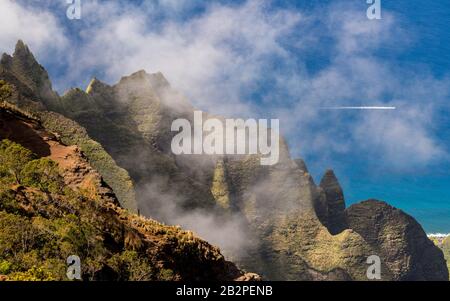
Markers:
360,108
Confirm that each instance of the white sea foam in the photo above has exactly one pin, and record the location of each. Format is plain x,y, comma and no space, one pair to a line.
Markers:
438,235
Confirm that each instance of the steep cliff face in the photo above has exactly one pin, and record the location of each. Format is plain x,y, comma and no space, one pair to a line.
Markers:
132,122
53,204
278,204
399,240
268,200
294,229
29,72
331,211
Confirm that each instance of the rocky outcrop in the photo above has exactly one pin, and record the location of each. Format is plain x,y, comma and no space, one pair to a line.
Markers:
301,165
398,240
29,72
332,213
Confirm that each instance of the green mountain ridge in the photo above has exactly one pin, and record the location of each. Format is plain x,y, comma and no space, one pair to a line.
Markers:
293,229
53,205
29,96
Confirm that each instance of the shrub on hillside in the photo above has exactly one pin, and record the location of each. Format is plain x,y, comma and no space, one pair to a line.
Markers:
13,158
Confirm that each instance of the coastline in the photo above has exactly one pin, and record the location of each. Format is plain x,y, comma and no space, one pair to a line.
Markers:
437,235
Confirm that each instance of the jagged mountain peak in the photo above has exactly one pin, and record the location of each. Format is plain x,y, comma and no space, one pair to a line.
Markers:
154,80
22,55
22,49
73,90
301,164
330,184
159,80
140,73
329,177
5,60
96,85
335,203
24,66
136,77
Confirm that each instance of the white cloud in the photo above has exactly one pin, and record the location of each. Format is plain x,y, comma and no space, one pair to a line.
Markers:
401,138
219,57
40,29
357,35
398,140
210,58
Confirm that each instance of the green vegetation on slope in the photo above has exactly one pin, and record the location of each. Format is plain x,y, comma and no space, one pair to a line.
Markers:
43,222
5,90
71,133
219,187
444,244
446,249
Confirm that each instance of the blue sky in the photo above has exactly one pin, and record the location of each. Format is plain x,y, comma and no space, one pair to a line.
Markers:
285,59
